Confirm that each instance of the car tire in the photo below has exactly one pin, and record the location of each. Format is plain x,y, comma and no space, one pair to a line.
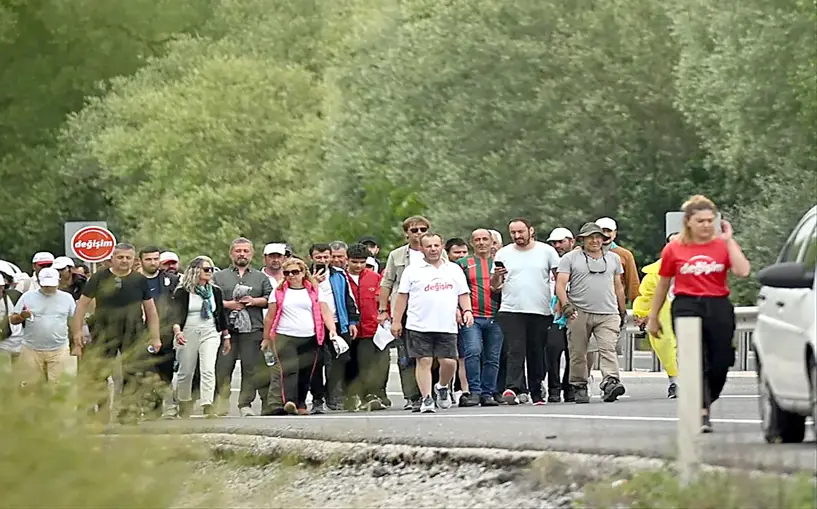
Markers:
779,426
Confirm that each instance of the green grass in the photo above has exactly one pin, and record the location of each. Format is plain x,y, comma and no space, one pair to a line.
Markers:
53,454
660,489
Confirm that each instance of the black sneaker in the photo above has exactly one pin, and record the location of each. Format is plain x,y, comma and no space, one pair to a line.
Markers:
611,389
554,397
415,406
706,424
488,401
580,394
672,390
569,395
468,400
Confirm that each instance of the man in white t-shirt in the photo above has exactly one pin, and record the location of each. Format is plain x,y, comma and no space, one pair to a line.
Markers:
523,271
430,293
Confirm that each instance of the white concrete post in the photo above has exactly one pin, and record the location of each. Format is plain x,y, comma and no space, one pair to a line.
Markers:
688,332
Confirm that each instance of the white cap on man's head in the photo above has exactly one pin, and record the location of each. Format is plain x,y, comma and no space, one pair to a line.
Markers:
49,277
168,256
275,248
42,258
371,262
559,234
606,223
62,262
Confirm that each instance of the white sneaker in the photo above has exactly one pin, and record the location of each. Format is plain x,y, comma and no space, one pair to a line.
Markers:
443,397
246,411
457,395
427,406
524,399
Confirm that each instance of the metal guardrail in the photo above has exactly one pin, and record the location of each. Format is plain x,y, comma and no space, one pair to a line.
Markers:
745,318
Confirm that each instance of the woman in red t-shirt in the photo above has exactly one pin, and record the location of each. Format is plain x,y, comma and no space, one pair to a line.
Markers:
698,262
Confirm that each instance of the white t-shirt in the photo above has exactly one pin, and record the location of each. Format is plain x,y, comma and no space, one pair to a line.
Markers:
433,296
15,341
527,286
355,278
327,295
296,318
274,282
416,256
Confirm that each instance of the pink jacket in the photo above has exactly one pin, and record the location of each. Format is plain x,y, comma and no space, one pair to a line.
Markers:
316,310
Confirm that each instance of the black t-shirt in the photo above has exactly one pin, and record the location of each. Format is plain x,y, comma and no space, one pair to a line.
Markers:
155,285
118,302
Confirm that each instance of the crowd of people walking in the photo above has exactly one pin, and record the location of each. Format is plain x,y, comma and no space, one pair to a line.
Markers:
482,320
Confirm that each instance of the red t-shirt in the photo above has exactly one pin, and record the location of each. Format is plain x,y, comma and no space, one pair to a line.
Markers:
700,270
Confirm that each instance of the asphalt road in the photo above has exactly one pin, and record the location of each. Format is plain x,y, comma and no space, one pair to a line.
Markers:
640,423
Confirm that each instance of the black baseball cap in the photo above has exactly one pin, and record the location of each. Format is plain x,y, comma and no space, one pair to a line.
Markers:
368,239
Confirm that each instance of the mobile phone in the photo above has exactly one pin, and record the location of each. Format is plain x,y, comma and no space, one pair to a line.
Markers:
499,265
319,267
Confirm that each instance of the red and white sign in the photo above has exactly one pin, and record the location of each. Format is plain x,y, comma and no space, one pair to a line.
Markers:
93,244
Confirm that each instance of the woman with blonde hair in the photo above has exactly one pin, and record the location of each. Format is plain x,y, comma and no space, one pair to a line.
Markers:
199,328
294,332
697,264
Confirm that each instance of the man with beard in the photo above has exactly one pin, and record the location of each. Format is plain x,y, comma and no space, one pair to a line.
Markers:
275,254
162,284
169,262
562,240
524,270
70,281
246,294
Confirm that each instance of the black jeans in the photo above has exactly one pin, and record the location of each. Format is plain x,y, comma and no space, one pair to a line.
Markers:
255,373
330,388
556,345
525,340
297,357
717,329
371,371
408,378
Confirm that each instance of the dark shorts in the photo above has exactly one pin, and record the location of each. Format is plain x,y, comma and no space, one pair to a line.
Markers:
441,345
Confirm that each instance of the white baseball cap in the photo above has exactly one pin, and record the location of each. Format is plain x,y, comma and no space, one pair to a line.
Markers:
49,277
42,258
168,256
606,223
371,262
275,248
559,234
62,262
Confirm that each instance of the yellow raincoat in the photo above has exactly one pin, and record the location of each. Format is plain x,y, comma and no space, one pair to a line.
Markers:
664,346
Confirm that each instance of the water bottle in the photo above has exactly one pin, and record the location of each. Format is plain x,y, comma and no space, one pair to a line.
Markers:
269,357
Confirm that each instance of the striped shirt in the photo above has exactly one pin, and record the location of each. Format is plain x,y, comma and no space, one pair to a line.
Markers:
478,275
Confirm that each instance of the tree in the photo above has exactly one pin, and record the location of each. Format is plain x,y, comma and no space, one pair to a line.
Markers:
746,80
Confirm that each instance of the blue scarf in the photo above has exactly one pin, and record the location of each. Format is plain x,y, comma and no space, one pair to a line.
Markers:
206,294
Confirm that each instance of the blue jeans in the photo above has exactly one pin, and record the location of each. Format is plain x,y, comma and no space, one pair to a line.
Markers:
480,346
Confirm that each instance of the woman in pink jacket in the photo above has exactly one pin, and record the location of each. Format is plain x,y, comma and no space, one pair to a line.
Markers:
295,328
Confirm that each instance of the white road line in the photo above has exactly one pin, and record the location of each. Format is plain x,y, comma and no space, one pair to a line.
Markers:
443,415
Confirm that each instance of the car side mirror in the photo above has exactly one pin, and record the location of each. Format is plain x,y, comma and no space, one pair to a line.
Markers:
786,275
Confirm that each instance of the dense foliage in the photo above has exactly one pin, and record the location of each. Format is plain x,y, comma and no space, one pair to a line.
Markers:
187,123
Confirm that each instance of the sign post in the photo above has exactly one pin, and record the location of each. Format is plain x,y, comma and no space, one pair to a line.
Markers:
688,332
93,244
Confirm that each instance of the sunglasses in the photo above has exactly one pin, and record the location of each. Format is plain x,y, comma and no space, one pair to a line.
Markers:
421,229
118,281
293,272
587,261
208,269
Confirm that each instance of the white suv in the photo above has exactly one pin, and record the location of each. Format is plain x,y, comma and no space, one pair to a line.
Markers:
785,338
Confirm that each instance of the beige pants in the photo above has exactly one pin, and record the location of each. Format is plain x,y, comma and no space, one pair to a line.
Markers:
606,331
34,365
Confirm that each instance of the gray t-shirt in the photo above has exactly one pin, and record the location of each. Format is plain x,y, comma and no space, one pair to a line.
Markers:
47,329
527,283
592,286
257,280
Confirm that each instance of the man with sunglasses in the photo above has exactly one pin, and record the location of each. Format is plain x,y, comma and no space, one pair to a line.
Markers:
594,304
414,228
125,318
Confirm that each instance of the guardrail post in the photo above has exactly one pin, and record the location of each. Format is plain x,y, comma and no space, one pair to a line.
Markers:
688,332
